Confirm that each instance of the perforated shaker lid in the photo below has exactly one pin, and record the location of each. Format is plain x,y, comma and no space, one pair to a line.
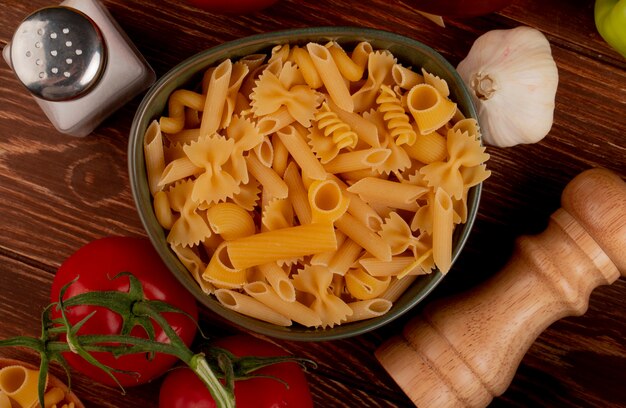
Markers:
58,53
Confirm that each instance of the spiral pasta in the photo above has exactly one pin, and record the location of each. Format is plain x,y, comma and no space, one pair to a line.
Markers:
395,117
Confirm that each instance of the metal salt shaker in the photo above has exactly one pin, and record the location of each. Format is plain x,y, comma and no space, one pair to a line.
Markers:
78,64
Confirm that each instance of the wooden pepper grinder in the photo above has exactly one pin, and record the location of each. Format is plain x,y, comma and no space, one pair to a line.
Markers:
465,350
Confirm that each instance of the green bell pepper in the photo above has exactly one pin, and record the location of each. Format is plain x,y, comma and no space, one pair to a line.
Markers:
610,16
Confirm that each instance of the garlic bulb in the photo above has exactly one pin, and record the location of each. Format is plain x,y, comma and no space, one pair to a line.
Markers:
513,79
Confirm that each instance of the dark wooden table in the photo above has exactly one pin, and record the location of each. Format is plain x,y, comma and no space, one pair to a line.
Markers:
58,192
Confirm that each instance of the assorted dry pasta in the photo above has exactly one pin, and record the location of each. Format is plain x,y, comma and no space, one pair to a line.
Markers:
313,184
19,389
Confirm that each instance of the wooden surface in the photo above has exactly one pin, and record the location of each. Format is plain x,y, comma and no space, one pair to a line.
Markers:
58,193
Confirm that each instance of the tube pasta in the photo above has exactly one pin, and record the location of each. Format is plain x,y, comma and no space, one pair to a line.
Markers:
364,286
405,78
330,75
301,153
295,311
388,193
430,109
399,265
154,156
349,69
397,287
327,201
20,384
281,244
363,236
220,271
275,121
428,148
357,160
368,309
177,170
249,306
442,230
19,388
309,72
162,210
280,159
279,280
267,177
315,187
216,98
347,254
361,53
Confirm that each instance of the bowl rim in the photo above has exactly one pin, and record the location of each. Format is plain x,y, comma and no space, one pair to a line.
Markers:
236,49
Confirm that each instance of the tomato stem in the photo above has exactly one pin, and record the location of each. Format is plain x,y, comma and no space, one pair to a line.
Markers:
60,336
223,397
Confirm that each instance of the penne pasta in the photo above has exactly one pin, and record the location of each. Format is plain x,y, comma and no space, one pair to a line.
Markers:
364,286
368,309
275,121
330,75
397,287
309,72
280,156
249,306
442,230
154,155
405,78
270,180
345,257
388,193
349,69
301,153
177,170
298,195
279,281
357,160
367,239
216,98
281,244
163,210
295,311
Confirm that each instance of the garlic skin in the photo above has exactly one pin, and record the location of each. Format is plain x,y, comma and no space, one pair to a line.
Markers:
513,80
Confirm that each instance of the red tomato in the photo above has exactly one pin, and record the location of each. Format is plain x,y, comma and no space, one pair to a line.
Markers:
183,389
96,264
231,6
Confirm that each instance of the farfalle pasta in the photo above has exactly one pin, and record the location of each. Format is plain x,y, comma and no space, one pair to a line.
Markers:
313,185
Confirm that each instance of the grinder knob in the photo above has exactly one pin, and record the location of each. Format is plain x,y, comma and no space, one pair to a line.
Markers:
465,350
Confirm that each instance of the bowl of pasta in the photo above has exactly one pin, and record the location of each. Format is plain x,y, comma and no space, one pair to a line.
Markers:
309,184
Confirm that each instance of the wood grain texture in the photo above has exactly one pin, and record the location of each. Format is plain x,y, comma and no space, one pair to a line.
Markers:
58,192
464,350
